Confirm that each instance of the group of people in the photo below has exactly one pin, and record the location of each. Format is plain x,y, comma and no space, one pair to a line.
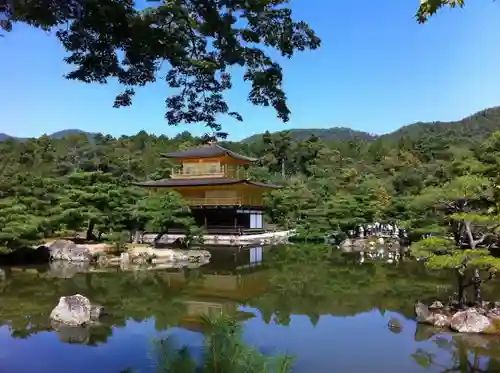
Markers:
376,229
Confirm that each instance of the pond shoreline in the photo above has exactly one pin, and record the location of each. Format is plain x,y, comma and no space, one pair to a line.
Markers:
74,250
483,318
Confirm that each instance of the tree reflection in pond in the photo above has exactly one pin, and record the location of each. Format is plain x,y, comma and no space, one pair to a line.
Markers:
464,353
313,281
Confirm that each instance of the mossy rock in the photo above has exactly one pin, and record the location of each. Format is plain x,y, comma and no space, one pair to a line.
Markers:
495,326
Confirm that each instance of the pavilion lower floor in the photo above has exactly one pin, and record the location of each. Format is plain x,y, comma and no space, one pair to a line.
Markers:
225,238
229,221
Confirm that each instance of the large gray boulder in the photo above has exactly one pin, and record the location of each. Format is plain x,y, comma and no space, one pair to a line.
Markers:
470,321
75,310
69,251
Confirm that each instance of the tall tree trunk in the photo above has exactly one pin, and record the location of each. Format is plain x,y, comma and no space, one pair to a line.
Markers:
402,252
158,237
137,237
476,282
457,233
90,230
461,288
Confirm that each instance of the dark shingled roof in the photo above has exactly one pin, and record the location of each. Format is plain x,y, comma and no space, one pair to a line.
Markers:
171,183
208,151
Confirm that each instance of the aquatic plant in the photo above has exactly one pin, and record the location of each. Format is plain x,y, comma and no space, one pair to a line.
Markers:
223,352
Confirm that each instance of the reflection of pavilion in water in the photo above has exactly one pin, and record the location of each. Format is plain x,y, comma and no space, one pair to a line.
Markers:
231,279
220,287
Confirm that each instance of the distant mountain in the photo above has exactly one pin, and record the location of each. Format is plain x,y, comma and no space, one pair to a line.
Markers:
327,134
474,127
477,126
69,132
55,135
4,136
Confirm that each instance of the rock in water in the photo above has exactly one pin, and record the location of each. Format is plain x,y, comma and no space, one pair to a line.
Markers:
470,321
125,258
75,310
96,311
68,250
346,243
395,325
431,317
423,313
436,305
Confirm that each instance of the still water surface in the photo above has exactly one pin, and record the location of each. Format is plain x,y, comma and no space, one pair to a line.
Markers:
328,310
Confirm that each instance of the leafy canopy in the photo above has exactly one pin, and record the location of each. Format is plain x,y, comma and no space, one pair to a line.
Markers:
191,44
442,253
430,7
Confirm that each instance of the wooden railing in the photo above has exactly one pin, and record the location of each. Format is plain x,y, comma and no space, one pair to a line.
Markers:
222,171
224,201
221,201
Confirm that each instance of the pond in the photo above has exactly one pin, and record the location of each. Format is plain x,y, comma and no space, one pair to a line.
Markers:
317,303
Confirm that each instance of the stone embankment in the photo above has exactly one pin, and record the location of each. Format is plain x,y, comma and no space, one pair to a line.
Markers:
65,250
483,319
372,242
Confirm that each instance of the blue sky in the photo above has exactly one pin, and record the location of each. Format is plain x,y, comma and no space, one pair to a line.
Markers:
377,70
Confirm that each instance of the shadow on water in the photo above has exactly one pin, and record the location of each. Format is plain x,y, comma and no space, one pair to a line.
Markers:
322,305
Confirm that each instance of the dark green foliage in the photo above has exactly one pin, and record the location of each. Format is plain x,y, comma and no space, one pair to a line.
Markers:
430,7
327,134
476,127
467,211
59,186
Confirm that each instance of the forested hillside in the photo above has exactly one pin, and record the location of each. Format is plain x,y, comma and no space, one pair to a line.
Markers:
475,127
57,186
55,135
326,134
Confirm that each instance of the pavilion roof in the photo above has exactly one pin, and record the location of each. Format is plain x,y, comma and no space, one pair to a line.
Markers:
172,183
208,151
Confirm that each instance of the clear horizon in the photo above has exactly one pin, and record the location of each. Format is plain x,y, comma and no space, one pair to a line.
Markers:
231,138
377,70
